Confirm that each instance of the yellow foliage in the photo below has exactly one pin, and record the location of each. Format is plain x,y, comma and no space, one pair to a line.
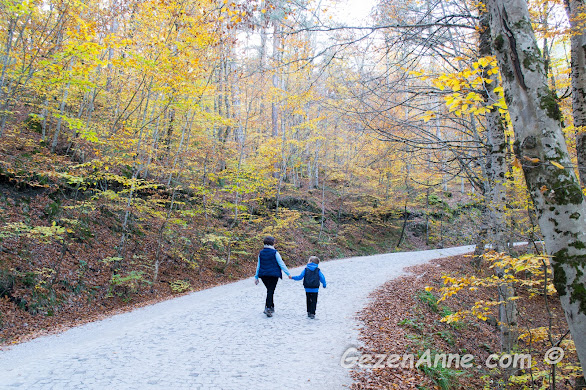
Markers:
466,87
514,270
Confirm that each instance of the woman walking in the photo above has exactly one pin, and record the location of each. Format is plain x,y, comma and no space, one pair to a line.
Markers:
269,269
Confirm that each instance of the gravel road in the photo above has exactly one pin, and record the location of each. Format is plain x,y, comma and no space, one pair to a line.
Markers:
216,338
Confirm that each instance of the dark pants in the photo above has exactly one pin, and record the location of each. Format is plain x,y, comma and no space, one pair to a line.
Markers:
311,302
270,283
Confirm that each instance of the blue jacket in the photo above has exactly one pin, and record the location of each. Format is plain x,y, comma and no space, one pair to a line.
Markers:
311,267
270,263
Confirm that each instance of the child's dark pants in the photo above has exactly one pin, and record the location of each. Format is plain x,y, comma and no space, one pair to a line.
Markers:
311,302
271,283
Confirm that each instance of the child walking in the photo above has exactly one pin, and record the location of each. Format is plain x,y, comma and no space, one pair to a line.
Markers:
312,277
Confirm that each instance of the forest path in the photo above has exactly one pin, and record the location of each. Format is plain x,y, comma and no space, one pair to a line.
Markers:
216,338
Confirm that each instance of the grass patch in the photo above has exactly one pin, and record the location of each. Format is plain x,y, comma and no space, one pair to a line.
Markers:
413,324
445,378
429,299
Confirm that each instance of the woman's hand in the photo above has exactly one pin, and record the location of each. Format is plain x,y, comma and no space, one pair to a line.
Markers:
256,281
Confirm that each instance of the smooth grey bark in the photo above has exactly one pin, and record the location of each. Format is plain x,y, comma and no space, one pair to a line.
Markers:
496,171
60,120
276,63
5,63
5,85
497,196
481,238
44,115
541,149
113,30
578,77
6,60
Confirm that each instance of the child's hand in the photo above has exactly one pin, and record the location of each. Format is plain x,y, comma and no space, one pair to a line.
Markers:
290,277
256,281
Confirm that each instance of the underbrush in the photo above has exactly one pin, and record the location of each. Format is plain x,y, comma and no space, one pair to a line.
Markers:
407,316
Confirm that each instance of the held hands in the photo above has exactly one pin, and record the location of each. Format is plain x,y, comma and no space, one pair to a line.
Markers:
290,277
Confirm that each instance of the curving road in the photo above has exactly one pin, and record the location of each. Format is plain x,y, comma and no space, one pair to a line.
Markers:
216,338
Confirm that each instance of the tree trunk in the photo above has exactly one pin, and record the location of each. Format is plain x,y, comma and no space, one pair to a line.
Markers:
60,120
405,214
44,115
541,149
5,62
497,197
481,237
578,68
507,318
276,63
497,148
113,30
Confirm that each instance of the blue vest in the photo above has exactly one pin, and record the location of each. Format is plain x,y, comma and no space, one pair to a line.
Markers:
268,263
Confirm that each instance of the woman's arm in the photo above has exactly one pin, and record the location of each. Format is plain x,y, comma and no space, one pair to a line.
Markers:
257,268
282,264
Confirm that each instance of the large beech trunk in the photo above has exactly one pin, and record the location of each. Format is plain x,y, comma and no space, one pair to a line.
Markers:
541,149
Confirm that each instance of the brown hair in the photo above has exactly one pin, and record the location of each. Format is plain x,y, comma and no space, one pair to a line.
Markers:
314,259
269,240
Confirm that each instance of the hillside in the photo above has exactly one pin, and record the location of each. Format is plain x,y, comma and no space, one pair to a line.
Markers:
67,256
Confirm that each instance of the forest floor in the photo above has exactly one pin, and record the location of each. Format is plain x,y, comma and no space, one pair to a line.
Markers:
217,338
404,318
